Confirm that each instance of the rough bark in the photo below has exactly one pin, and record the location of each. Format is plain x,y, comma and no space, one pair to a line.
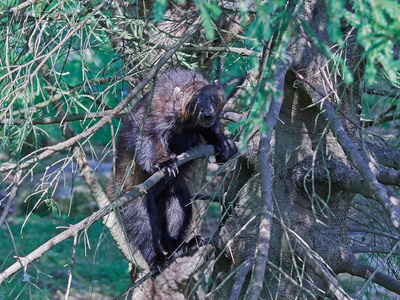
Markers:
308,233
283,227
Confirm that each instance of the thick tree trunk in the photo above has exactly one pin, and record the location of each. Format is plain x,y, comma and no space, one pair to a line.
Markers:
315,145
308,243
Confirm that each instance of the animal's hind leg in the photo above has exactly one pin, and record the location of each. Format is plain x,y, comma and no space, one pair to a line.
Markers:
140,225
178,212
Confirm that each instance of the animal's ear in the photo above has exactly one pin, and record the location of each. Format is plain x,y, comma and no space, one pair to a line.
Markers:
218,84
177,93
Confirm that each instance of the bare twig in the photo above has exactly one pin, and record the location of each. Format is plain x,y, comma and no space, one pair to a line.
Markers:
227,115
48,55
379,121
240,51
11,196
320,268
374,249
18,7
202,151
385,93
67,118
107,118
125,35
134,285
211,198
71,267
372,231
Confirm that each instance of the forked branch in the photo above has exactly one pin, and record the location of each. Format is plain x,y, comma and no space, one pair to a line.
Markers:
377,189
73,230
107,118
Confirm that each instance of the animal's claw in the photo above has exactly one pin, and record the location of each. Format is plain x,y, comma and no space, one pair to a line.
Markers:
170,167
168,164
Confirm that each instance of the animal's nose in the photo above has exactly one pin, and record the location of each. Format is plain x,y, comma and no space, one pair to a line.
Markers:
207,116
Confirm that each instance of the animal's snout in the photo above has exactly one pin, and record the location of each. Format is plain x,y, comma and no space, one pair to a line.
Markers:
208,116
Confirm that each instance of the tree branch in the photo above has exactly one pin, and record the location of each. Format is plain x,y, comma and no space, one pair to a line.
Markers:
240,278
385,157
389,177
48,55
339,175
11,196
379,120
354,267
346,179
65,118
266,183
106,119
210,198
18,7
385,93
320,268
372,231
378,190
201,151
374,249
228,115
236,50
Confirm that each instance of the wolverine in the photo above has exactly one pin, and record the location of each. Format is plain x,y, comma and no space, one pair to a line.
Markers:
181,111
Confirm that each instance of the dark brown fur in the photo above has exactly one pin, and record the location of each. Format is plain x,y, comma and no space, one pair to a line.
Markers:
182,108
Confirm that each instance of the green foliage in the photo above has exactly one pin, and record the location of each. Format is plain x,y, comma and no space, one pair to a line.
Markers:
97,262
336,59
335,11
270,19
273,21
209,11
378,31
74,67
159,10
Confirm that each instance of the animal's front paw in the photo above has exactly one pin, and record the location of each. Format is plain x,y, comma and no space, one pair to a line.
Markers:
168,164
225,150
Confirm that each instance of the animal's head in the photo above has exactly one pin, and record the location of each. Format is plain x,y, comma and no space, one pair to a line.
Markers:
202,106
